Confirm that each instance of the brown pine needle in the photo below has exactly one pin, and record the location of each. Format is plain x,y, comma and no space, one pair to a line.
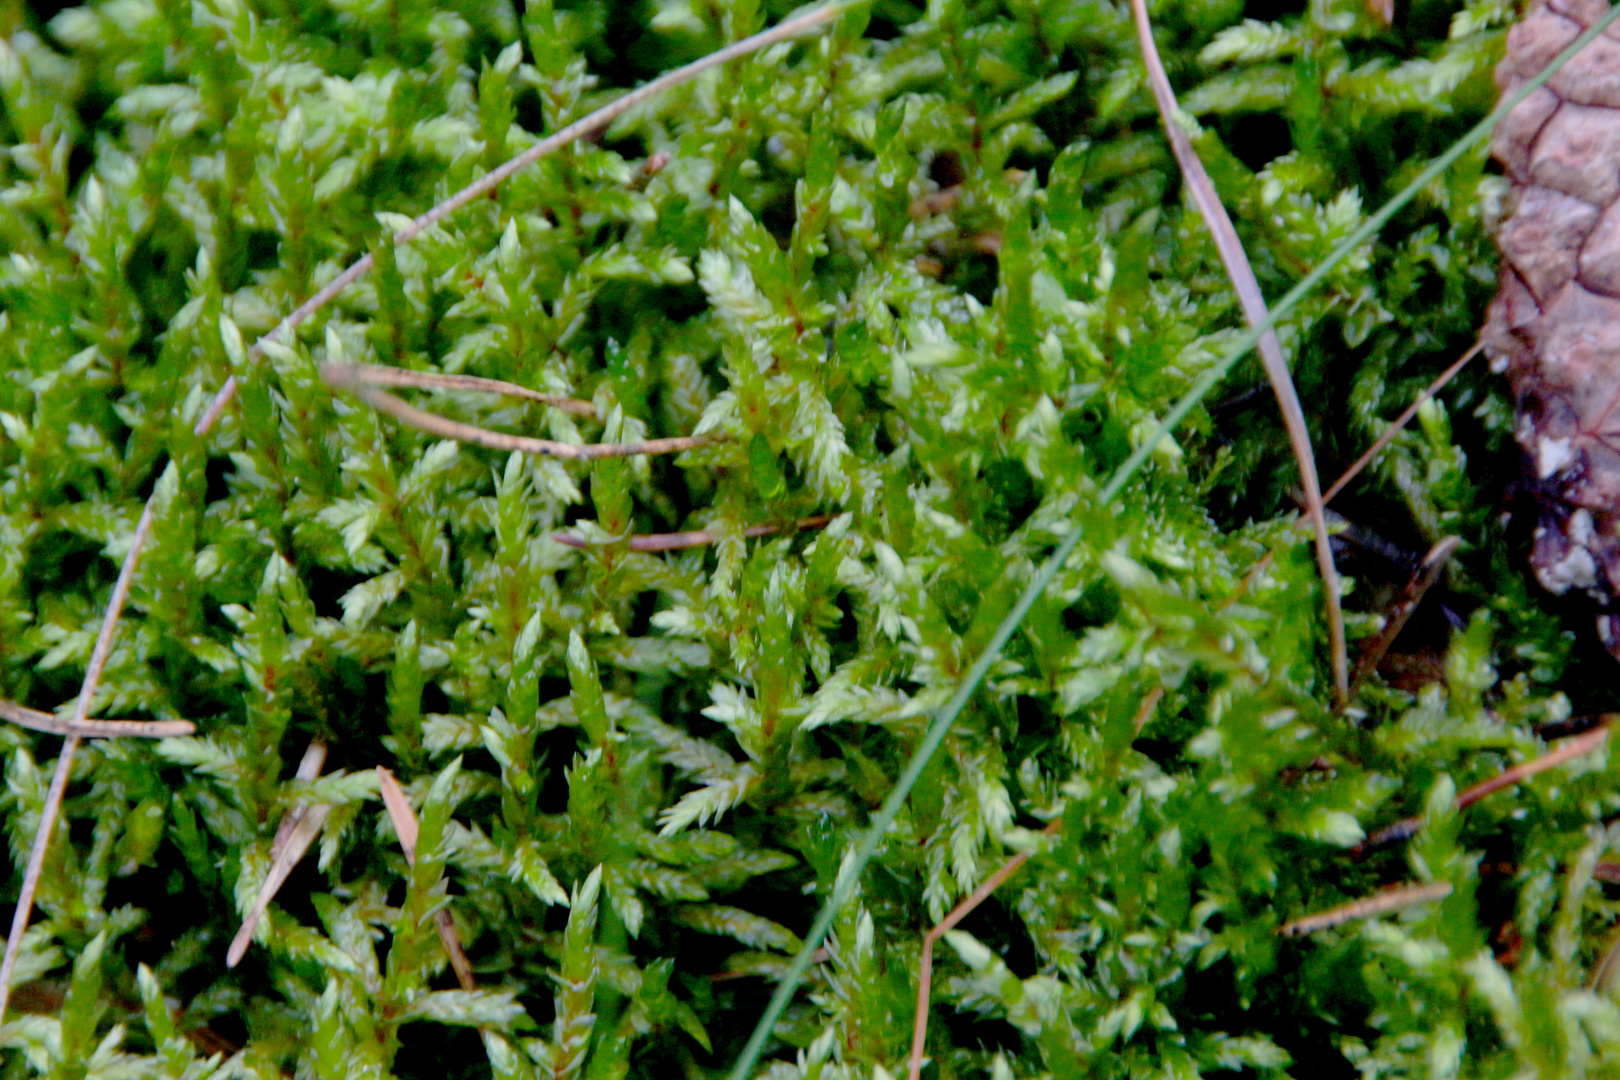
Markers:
696,538
925,966
64,759
343,376
1427,573
1373,906
405,827
1145,713
1383,440
1577,746
34,720
309,767
401,410
297,831
283,330
1602,978
820,956
1400,422
1253,303
1380,645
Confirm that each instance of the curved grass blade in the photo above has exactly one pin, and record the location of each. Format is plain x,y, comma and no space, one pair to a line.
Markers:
1253,302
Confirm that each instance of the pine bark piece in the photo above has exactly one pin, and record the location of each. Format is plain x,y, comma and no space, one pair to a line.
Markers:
1554,327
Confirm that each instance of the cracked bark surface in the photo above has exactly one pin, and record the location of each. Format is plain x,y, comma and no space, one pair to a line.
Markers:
1554,327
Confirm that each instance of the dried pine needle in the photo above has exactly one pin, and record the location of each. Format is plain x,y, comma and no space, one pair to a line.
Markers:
35,720
297,831
406,413
1383,903
345,376
406,828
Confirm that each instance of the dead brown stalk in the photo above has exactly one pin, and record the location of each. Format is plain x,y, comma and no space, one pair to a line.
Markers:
1145,712
283,331
64,760
1400,422
1253,303
1602,977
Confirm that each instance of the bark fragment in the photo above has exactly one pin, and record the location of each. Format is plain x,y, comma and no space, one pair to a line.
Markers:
1554,327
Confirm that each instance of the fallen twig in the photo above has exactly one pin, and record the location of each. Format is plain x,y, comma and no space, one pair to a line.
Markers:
1427,573
1378,904
1578,745
405,827
1236,261
34,720
297,831
283,330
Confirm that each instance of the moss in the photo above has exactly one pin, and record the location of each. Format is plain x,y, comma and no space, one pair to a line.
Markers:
931,276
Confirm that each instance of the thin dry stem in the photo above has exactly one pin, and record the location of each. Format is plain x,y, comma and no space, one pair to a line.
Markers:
1378,904
298,829
696,538
925,967
405,826
1575,747
1238,269
64,760
50,724
1427,573
343,376
407,413
283,331
1400,422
